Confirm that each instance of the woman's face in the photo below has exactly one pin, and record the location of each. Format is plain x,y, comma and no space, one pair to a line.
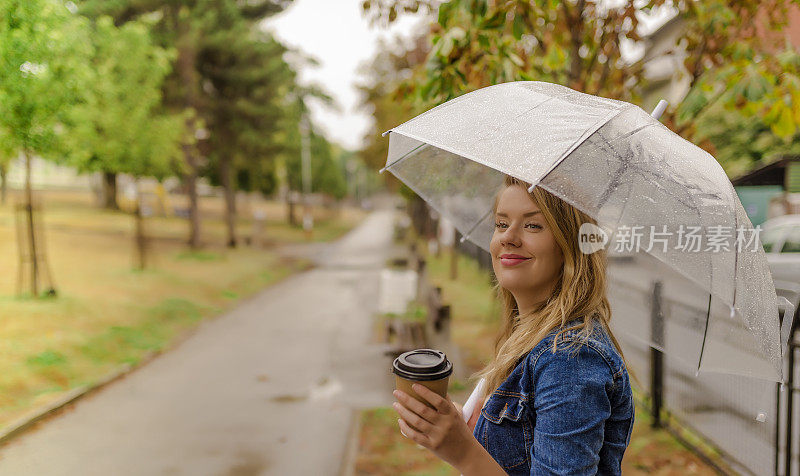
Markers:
525,256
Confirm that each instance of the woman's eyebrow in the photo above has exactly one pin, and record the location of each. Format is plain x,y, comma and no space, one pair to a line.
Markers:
501,214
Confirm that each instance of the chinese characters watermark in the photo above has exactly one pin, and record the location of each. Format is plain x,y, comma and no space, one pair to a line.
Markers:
686,238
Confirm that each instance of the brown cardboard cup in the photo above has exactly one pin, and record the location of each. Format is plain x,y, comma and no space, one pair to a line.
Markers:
428,367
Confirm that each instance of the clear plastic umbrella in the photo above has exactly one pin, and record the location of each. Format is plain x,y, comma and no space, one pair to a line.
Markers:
645,185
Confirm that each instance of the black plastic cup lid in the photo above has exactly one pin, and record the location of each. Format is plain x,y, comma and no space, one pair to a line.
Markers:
422,364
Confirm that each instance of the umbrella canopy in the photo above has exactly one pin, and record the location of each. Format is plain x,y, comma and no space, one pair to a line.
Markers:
645,185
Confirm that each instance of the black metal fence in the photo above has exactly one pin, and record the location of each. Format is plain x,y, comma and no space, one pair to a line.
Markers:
716,407
787,435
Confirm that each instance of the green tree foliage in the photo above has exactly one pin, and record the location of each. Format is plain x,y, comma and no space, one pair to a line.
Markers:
43,73
328,167
739,141
193,28
320,149
246,81
327,170
743,104
476,43
384,94
119,126
730,58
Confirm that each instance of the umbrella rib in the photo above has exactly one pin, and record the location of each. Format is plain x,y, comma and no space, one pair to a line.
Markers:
705,334
647,176
466,236
735,254
407,154
572,148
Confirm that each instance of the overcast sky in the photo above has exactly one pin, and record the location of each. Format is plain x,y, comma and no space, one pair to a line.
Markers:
335,32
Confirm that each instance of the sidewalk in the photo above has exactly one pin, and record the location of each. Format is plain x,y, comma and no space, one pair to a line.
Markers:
268,388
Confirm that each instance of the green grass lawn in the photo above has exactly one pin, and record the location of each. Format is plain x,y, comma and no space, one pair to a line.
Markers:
107,313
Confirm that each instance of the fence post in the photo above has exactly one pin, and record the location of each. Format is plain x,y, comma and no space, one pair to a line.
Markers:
656,356
777,427
443,321
790,389
454,257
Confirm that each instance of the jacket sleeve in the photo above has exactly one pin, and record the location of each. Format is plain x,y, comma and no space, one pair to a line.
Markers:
571,402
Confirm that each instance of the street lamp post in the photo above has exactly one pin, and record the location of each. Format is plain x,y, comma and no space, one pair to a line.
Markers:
305,157
351,177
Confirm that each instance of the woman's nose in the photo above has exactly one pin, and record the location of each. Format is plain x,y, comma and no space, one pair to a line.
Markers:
510,237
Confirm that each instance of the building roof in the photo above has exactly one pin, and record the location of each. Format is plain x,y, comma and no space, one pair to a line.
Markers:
770,174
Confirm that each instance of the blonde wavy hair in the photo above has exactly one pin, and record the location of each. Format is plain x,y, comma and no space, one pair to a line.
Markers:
580,292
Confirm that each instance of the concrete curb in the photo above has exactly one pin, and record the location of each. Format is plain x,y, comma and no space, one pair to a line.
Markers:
348,466
26,421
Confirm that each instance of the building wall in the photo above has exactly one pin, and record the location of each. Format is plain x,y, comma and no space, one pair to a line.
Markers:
663,58
47,174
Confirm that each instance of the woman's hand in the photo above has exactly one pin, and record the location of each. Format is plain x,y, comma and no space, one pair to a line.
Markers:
441,430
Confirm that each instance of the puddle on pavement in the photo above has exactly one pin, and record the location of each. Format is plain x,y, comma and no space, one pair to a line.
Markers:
250,463
325,389
288,398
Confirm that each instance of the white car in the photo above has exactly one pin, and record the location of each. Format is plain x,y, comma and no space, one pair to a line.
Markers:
781,239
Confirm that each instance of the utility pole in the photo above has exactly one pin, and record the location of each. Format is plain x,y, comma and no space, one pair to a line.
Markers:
305,157
351,178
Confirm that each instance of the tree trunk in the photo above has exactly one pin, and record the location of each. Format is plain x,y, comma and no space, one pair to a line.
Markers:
141,243
3,183
230,199
290,208
575,24
161,195
31,231
453,263
110,191
188,76
191,185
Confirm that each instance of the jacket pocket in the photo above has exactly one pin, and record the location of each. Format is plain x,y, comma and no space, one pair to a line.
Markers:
507,434
502,405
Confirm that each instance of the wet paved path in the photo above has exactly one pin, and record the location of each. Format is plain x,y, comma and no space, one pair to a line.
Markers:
268,388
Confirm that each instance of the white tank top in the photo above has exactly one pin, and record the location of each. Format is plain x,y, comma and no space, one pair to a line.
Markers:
472,401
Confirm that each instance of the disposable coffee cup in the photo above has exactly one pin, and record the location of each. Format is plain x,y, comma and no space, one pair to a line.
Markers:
428,367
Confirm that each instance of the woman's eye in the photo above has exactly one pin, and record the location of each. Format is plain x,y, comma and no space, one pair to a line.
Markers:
531,225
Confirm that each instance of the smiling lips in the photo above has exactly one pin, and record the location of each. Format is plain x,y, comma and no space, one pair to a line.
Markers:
510,259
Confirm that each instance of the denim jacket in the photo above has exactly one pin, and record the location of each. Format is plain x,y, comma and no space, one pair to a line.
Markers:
563,413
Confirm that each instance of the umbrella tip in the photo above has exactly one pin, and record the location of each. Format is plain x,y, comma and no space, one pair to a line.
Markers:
660,108
384,134
463,238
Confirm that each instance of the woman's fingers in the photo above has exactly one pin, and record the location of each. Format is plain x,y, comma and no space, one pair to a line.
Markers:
442,406
416,406
410,433
411,417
